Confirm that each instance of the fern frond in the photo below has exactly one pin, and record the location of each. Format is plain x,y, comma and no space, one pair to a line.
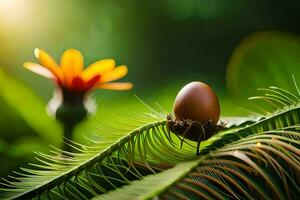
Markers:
280,119
279,98
261,166
286,113
120,151
125,150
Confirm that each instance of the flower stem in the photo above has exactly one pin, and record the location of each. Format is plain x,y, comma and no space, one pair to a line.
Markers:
70,112
67,137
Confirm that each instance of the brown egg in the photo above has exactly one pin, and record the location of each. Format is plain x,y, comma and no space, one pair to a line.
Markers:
197,101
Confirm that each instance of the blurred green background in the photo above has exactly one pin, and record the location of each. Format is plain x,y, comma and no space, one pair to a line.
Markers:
165,44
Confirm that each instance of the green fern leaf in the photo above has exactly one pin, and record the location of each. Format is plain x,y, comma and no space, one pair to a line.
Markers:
129,149
261,166
141,144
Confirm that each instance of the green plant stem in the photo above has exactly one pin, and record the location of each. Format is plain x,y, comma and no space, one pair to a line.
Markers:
68,133
70,112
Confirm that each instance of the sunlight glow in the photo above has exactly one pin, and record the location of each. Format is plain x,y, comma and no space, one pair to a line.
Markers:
13,11
4,2
8,4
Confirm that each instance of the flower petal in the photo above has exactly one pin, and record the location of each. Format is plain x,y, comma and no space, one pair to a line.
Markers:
72,64
77,84
40,70
117,73
100,67
92,82
115,86
47,61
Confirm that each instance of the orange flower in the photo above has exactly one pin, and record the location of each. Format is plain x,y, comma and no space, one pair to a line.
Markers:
71,75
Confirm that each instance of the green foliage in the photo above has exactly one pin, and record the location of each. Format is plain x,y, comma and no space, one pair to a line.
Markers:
263,59
144,142
246,169
280,119
30,107
130,148
152,185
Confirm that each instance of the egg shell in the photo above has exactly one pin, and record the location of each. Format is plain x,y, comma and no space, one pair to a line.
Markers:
197,101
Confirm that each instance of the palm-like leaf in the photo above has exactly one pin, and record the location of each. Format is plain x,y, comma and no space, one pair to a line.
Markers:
261,166
143,142
131,149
